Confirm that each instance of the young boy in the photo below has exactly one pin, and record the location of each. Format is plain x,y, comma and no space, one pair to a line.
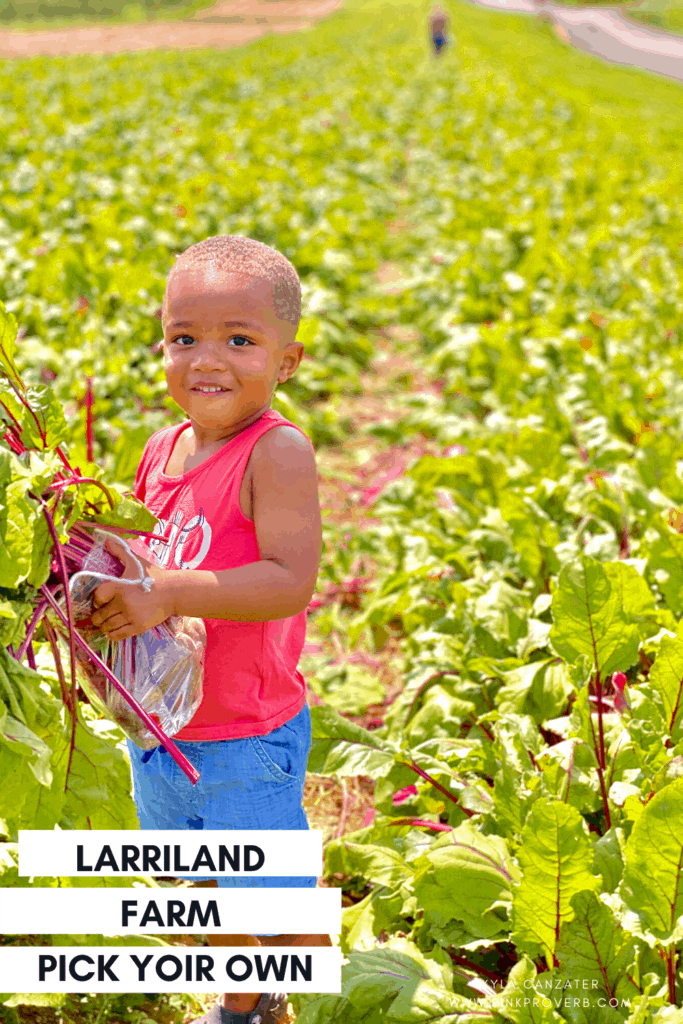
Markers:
438,25
235,490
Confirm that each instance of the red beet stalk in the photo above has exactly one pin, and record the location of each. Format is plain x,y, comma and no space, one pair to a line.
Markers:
166,742
88,418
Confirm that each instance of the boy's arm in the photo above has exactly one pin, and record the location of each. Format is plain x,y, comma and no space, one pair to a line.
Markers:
281,584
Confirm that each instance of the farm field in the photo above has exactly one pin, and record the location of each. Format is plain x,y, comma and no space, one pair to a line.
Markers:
661,13
490,249
27,14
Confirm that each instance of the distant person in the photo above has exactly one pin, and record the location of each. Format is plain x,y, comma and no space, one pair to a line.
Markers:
438,22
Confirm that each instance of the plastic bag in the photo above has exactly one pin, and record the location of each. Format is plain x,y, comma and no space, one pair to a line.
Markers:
162,668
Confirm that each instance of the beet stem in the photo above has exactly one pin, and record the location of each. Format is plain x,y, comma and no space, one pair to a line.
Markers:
59,555
166,742
32,626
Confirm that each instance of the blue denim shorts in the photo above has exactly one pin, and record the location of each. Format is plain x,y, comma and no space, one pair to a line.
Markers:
254,783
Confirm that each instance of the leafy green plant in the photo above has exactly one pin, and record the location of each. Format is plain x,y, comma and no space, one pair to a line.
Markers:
24,14
512,217
61,765
662,13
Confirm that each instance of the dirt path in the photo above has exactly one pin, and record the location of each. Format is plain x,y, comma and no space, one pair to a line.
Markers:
232,23
608,33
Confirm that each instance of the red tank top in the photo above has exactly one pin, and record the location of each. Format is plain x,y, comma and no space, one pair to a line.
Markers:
251,682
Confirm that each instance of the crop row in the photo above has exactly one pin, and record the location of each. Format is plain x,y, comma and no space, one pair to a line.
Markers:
522,225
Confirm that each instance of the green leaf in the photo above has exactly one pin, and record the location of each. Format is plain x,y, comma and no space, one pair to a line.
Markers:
50,999
646,728
9,864
41,555
8,347
502,610
512,696
12,409
17,516
347,687
668,1015
556,859
395,982
13,616
44,427
379,864
524,1000
522,518
19,782
389,991
666,677
511,799
363,923
127,452
540,689
608,861
25,699
321,1009
128,513
439,714
466,876
415,987
593,947
590,616
98,787
643,1011
14,732
634,595
665,563
517,737
652,887
340,747
569,773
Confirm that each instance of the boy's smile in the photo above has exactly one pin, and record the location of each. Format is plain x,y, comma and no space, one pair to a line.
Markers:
225,349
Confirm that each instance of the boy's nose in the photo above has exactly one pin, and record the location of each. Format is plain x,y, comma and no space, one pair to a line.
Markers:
209,355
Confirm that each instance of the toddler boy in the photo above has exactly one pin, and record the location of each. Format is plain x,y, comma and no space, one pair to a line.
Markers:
235,491
438,26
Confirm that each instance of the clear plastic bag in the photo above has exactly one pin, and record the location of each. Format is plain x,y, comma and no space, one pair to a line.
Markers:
162,668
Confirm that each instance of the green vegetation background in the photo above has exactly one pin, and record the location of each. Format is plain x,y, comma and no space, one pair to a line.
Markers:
665,14
55,14
539,191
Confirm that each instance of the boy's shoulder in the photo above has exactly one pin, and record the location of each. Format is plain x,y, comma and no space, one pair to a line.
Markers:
281,479
284,446
281,473
281,457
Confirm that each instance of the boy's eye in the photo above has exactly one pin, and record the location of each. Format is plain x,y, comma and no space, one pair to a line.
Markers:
237,340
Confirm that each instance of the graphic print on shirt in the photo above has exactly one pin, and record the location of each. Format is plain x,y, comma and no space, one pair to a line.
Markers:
194,534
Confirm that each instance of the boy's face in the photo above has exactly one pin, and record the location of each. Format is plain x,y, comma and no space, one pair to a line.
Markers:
224,348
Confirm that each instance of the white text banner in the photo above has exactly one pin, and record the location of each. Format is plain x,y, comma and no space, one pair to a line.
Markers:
139,910
164,969
209,853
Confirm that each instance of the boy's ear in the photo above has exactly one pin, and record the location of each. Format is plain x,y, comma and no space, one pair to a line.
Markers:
289,364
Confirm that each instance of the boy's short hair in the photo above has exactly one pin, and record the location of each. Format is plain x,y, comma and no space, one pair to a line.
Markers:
247,256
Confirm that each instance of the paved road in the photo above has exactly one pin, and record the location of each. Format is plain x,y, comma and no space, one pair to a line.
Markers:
606,32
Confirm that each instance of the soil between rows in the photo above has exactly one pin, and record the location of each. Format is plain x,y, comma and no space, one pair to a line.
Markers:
229,24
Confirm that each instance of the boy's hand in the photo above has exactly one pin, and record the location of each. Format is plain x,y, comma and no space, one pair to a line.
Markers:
123,610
